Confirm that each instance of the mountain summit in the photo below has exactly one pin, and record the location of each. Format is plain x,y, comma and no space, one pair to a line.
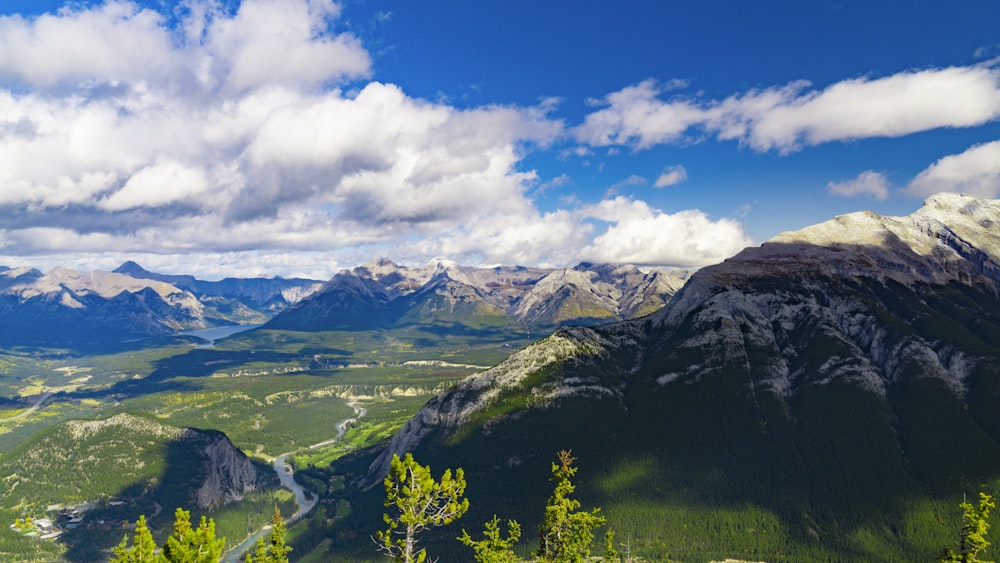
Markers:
827,395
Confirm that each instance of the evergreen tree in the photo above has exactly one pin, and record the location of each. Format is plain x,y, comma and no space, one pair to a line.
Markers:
565,532
610,553
493,548
186,545
143,548
421,502
192,545
275,550
973,537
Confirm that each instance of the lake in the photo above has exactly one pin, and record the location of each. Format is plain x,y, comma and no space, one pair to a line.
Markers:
218,333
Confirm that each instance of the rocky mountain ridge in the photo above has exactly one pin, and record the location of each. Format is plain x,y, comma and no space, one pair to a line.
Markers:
66,307
949,240
129,455
383,294
260,294
839,377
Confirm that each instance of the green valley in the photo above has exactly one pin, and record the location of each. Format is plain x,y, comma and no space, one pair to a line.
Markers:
269,392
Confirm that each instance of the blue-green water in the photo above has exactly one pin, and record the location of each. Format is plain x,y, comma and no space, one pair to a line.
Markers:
218,333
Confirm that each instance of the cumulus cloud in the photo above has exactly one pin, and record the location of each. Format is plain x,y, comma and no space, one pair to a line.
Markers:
869,182
639,234
233,156
242,134
975,172
269,41
636,116
531,237
114,42
157,185
671,175
119,45
786,118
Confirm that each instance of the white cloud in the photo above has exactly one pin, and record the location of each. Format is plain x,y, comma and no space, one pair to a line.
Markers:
869,182
987,51
559,181
672,175
156,185
544,239
114,42
226,137
643,235
282,41
632,180
975,172
901,104
786,118
208,265
242,156
636,117
118,46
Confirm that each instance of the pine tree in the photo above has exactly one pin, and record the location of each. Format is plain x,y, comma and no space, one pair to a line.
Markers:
493,548
193,545
565,533
974,528
186,545
274,550
610,553
421,503
143,548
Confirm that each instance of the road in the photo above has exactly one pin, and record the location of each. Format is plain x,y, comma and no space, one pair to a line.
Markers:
38,404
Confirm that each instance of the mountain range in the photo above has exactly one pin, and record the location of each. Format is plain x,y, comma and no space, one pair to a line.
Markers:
65,307
828,395
447,296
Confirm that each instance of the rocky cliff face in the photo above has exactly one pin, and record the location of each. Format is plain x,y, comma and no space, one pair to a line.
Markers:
227,474
838,282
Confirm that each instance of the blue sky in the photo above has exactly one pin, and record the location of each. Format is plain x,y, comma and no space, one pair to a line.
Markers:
298,137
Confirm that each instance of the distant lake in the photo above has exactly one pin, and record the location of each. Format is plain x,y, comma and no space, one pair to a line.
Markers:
218,333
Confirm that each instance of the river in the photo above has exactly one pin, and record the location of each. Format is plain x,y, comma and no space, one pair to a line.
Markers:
305,499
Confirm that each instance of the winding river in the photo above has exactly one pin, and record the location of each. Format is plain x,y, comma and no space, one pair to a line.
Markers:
305,499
